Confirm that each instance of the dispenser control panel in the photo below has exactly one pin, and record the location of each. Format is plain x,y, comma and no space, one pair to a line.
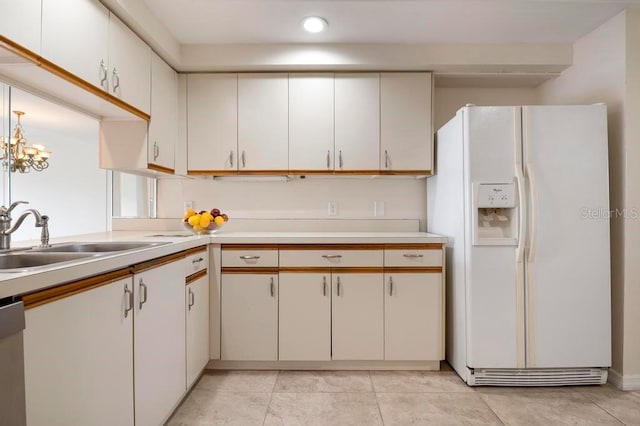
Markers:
496,195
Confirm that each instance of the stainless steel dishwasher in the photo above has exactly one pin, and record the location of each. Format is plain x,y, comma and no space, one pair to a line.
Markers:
12,399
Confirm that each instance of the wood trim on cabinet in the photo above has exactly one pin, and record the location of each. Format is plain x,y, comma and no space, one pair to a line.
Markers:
196,276
357,172
304,269
157,262
43,297
243,270
335,270
70,78
264,172
161,169
212,172
189,252
411,270
330,247
406,172
249,246
424,246
311,172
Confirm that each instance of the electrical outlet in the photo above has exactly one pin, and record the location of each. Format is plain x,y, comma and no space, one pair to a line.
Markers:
332,209
378,208
188,205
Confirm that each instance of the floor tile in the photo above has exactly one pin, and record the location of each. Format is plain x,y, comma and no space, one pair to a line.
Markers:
545,407
238,381
320,409
439,409
205,407
623,405
323,381
418,381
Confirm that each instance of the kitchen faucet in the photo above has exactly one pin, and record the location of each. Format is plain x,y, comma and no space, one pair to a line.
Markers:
6,229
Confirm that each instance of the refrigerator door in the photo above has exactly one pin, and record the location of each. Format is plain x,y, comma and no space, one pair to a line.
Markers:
568,271
494,319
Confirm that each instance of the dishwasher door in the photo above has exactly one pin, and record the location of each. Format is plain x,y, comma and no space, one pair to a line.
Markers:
12,399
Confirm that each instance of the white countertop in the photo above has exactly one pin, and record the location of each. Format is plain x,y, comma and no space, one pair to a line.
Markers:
14,283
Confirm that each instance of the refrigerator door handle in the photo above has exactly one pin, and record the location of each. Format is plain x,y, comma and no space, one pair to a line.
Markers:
533,235
522,213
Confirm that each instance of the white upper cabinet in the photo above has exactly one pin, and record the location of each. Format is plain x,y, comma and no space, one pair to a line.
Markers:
129,66
311,129
405,122
357,122
163,128
212,122
75,36
21,22
263,112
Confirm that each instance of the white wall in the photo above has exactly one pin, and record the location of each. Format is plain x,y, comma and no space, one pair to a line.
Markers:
73,190
598,75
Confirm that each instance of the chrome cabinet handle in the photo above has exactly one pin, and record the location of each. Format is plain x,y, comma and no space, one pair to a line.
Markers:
332,256
386,159
231,158
156,150
115,80
198,260
103,76
272,287
192,299
143,294
247,257
390,286
324,286
328,159
244,162
129,306
413,255
338,287
340,158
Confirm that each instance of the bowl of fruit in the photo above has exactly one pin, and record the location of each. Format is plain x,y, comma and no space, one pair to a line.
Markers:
204,222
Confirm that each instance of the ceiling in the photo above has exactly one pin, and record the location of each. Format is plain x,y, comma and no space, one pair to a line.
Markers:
384,21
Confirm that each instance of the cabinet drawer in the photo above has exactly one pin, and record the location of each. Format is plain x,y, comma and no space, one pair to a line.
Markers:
249,258
331,258
196,262
413,257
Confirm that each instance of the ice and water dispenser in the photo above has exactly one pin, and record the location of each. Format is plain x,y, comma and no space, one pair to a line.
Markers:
495,211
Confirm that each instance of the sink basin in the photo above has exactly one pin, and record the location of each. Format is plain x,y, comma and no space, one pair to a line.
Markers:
101,247
18,262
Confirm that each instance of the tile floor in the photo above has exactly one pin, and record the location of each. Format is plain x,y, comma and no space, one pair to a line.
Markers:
363,398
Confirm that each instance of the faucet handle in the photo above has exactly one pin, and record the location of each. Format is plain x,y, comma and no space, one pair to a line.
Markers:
7,211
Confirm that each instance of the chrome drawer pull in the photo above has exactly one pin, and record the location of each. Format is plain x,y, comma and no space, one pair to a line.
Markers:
390,286
338,287
332,256
413,256
247,257
192,299
129,306
198,260
272,287
324,286
143,294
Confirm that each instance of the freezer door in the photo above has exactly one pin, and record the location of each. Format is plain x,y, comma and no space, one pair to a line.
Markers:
494,317
568,270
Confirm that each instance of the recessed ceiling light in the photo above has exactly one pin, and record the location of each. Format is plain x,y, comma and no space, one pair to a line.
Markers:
314,24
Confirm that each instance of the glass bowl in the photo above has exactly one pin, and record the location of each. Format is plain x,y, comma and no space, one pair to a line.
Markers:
211,229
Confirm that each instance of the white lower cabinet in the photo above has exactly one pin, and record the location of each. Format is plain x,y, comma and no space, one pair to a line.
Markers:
159,342
78,358
357,316
413,312
249,319
197,301
305,316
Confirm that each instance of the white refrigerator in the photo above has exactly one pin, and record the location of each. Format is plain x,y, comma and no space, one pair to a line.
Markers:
523,195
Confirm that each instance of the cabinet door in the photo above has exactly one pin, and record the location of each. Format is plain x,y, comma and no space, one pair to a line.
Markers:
249,317
129,66
405,122
212,122
357,322
311,129
21,22
413,309
263,140
305,317
75,36
357,121
159,342
197,298
78,354
163,128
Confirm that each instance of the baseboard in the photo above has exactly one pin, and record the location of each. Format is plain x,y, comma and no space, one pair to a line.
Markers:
628,382
323,365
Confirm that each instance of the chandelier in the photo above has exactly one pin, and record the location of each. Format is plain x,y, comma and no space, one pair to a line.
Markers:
20,157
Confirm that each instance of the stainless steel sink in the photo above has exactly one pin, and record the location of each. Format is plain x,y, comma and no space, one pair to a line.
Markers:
21,261
101,247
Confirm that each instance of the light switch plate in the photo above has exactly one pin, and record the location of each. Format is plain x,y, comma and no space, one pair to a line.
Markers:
332,208
188,205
